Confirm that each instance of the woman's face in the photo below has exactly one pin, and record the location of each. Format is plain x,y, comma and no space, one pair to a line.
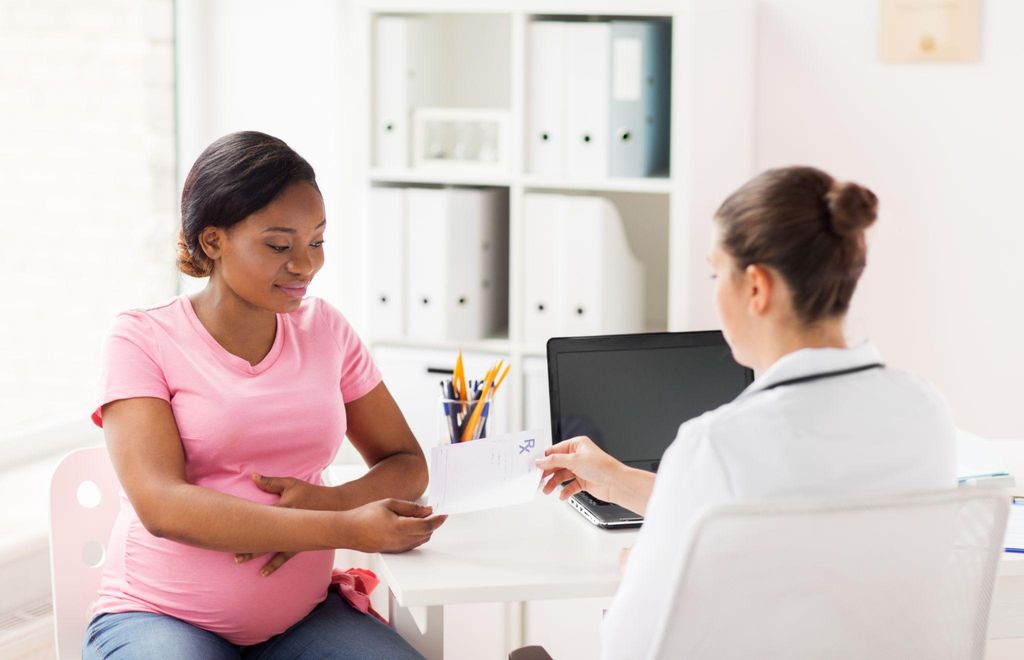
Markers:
269,258
730,303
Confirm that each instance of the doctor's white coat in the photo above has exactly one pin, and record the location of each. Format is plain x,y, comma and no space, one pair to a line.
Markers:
878,431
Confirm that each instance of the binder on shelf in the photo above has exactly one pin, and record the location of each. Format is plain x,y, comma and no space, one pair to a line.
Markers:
457,246
580,267
542,219
386,242
403,57
546,76
640,104
603,282
588,55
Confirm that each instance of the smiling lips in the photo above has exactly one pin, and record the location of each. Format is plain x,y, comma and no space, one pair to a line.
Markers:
294,290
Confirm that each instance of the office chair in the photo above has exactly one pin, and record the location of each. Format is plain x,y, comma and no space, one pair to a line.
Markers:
883,577
899,577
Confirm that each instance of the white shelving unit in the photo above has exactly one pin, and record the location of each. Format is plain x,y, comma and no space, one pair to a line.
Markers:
668,219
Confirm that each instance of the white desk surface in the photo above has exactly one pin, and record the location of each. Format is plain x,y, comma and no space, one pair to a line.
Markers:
535,551
495,556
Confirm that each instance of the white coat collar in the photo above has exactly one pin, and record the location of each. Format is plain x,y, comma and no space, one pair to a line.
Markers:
813,361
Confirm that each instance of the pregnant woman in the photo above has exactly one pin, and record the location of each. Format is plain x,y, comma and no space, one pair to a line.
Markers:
220,411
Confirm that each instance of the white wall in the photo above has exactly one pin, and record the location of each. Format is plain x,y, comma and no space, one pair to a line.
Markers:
943,147
279,68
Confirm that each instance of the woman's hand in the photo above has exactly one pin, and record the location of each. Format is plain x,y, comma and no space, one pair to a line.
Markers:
582,463
294,494
391,526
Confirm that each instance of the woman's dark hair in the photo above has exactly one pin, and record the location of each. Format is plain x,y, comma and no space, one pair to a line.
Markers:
809,228
233,178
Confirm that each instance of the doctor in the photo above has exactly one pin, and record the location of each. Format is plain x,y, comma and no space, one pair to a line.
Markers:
822,419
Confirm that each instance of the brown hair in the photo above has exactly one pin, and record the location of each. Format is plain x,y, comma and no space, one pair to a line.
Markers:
809,228
234,177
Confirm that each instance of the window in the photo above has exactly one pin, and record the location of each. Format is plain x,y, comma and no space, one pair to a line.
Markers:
87,194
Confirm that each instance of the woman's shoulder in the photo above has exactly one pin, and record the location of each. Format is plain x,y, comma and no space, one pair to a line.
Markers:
139,322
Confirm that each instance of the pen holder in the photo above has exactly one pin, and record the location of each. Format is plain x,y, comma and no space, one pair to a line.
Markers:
455,415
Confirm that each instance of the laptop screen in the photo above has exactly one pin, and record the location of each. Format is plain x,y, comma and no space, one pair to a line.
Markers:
630,393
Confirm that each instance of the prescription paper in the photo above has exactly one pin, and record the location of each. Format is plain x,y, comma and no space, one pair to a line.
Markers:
485,473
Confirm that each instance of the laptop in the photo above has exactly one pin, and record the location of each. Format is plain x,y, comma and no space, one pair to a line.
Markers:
630,394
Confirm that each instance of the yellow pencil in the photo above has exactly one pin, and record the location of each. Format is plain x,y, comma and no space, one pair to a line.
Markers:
478,409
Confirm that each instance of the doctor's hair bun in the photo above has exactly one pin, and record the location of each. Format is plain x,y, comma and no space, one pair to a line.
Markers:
806,226
852,207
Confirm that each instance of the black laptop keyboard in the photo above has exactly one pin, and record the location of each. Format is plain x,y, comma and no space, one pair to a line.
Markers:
590,499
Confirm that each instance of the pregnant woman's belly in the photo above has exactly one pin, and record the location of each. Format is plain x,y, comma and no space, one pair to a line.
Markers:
207,588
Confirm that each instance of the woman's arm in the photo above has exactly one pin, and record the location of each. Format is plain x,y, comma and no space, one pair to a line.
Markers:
147,454
380,434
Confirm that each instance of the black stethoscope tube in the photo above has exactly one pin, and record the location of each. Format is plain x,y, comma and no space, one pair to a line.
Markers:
828,374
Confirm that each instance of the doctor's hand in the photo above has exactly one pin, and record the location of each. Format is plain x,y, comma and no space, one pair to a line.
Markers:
585,465
293,494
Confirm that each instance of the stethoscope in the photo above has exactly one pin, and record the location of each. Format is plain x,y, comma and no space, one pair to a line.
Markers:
822,376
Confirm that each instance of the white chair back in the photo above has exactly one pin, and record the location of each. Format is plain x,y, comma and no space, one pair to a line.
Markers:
897,577
84,495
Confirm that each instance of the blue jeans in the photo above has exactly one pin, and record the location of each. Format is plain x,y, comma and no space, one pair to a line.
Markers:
334,629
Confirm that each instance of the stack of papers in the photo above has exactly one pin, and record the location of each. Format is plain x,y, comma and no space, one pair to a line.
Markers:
485,473
979,463
1014,541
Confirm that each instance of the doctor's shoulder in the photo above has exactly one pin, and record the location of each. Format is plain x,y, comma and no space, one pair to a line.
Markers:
916,394
708,427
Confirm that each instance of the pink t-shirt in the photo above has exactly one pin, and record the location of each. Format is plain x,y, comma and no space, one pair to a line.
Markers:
282,417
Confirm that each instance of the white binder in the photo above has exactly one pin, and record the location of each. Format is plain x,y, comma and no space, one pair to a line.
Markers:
386,242
588,56
543,217
457,283
640,96
579,266
603,282
405,79
546,76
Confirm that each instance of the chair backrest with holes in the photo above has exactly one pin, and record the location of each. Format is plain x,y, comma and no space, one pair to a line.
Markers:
84,494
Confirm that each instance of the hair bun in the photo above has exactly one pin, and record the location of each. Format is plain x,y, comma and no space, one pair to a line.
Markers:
186,263
853,207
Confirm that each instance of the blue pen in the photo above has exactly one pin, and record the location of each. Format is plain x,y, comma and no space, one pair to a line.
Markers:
449,409
453,414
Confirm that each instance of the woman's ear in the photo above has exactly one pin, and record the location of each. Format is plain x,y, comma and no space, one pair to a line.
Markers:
210,242
759,284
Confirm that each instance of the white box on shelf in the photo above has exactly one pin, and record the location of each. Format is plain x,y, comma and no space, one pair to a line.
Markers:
467,140
457,246
579,262
542,219
603,280
546,77
404,79
589,92
639,110
386,244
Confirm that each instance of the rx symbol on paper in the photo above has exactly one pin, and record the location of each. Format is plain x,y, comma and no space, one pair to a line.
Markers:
526,446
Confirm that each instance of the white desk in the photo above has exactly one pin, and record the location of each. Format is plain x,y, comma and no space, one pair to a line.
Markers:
544,550
536,551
